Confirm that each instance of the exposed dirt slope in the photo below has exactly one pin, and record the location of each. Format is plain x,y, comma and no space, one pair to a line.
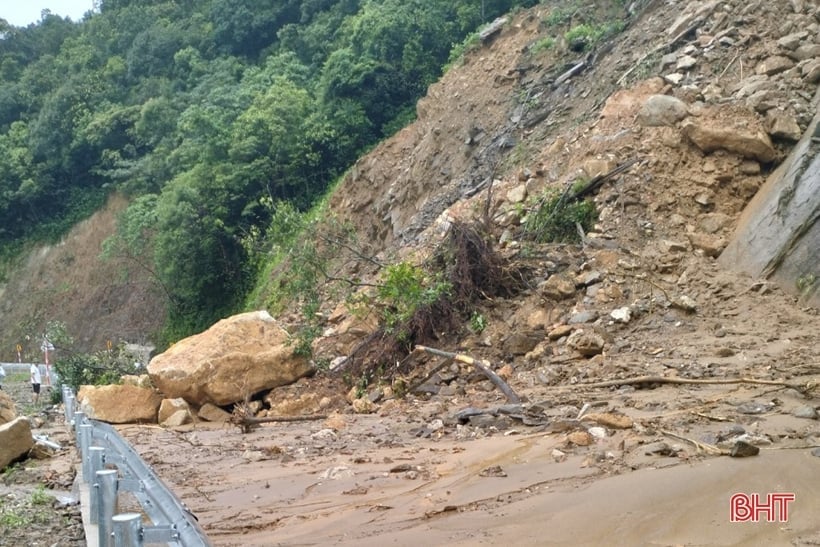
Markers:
100,299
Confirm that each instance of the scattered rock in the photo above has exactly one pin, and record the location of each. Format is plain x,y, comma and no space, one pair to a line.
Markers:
558,455
7,412
808,412
586,343
745,141
782,125
621,315
364,405
753,407
660,110
521,343
168,407
493,471
742,449
212,413
15,440
119,404
558,287
580,438
560,331
709,244
773,65
583,316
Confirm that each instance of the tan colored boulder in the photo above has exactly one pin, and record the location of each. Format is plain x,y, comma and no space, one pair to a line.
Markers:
212,413
749,143
7,412
238,356
169,407
15,440
119,404
178,418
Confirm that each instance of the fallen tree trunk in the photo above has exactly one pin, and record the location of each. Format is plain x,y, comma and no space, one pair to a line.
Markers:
246,421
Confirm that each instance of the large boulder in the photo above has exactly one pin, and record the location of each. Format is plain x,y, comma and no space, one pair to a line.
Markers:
119,404
736,132
237,357
778,235
15,440
7,412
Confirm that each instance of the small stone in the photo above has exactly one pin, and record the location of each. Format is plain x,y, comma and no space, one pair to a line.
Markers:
742,449
364,406
580,438
517,194
675,78
685,303
703,199
773,65
598,432
661,110
493,471
584,316
586,343
686,61
560,331
558,456
749,167
808,412
674,246
753,407
558,287
724,352
621,315
816,452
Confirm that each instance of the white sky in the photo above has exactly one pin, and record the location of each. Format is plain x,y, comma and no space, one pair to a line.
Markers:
21,13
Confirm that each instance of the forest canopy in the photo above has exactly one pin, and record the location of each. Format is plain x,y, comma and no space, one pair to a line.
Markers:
207,113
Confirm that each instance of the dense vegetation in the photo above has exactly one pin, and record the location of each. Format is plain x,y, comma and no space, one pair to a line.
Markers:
208,114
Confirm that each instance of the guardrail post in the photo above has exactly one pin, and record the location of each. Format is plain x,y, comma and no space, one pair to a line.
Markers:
84,440
128,530
97,458
79,418
107,483
68,403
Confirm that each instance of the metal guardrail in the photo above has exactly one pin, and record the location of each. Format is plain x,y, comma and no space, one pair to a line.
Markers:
101,446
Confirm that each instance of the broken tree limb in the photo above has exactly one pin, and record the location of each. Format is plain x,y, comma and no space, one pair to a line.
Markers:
664,380
246,422
483,366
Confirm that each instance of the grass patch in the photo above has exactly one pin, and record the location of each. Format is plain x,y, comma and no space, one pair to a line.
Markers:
557,215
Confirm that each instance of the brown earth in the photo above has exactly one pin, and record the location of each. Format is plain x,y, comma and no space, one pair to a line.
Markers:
630,467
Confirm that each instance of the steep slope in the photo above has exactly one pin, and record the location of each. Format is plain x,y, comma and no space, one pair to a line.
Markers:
97,300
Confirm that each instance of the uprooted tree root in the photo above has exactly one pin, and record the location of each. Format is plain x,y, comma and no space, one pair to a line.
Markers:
473,270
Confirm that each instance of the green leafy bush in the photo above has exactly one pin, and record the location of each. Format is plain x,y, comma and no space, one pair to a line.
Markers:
555,217
404,289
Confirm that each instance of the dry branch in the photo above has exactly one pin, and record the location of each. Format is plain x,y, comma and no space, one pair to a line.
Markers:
483,366
802,388
246,421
